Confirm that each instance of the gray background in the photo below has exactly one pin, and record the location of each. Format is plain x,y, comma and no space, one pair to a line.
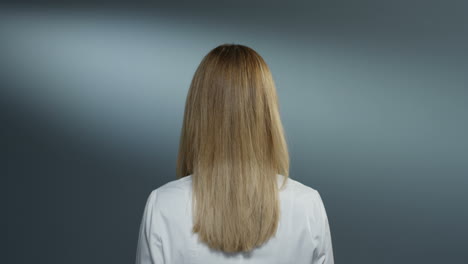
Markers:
373,97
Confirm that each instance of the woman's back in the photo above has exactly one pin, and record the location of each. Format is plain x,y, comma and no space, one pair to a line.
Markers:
303,234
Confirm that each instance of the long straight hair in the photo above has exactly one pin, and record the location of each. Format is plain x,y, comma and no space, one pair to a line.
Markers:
233,144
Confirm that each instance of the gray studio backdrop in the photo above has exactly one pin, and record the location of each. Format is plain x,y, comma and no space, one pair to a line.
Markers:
373,97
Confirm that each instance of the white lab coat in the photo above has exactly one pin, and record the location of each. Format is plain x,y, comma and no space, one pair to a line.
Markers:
165,237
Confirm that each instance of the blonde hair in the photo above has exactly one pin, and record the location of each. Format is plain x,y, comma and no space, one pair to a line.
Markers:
233,144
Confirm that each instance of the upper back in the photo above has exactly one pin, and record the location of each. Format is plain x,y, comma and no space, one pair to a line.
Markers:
295,239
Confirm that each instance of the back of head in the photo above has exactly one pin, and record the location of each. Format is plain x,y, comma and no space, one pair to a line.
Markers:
233,144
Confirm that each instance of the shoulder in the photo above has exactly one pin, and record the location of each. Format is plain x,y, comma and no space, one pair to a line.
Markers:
302,190
309,199
170,193
178,185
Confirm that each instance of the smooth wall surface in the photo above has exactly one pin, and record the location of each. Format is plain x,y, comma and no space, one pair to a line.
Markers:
373,98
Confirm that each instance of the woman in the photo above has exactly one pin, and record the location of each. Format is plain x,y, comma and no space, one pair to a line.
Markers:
232,201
